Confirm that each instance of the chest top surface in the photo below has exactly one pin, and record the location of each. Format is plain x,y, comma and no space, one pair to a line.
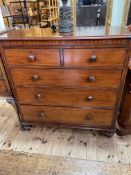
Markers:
81,33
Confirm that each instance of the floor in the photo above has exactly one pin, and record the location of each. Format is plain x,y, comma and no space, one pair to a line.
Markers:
14,163
70,143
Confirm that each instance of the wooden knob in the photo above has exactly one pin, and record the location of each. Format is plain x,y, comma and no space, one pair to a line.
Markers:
89,98
31,57
92,58
91,78
41,114
35,77
39,96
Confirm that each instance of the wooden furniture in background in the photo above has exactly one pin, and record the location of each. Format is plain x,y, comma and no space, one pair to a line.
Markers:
4,85
72,81
124,120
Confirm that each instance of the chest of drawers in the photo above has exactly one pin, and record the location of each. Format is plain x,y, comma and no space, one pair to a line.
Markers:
67,81
124,119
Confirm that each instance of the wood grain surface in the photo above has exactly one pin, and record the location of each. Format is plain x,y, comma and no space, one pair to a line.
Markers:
69,116
66,78
63,142
48,57
66,96
104,57
15,163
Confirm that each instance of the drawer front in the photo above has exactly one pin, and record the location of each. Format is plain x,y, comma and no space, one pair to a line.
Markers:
60,115
66,77
49,57
66,97
94,57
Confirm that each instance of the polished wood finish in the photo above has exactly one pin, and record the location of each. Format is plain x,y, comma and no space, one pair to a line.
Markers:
66,96
124,120
67,116
66,77
81,33
94,57
71,80
48,57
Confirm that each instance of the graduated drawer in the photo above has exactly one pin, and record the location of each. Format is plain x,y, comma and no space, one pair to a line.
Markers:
65,115
66,77
47,57
94,57
66,96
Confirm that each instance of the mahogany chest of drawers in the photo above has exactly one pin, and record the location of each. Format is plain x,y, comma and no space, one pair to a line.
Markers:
124,119
69,81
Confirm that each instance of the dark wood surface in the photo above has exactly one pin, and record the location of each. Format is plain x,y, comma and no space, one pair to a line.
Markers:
66,96
66,77
67,116
124,120
94,57
33,57
79,33
76,80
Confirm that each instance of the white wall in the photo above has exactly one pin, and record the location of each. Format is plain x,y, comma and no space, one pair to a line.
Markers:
2,26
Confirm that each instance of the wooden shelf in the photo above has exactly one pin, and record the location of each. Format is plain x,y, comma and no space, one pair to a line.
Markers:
38,8
23,1
52,7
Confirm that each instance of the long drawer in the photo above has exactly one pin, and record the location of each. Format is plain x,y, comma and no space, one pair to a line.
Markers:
66,97
66,77
48,57
94,57
64,115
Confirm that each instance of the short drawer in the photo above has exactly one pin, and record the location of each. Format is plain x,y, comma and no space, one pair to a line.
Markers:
66,77
47,57
64,115
94,57
66,96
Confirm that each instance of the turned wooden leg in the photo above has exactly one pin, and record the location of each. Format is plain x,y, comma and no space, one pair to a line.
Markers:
107,134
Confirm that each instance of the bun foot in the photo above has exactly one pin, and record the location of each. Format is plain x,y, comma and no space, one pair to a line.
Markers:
107,134
25,127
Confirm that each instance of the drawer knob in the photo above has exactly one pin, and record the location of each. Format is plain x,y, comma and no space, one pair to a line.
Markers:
35,77
89,98
41,114
38,96
31,57
88,117
91,78
92,58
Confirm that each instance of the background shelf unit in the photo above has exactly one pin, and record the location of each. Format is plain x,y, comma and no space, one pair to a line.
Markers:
42,13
